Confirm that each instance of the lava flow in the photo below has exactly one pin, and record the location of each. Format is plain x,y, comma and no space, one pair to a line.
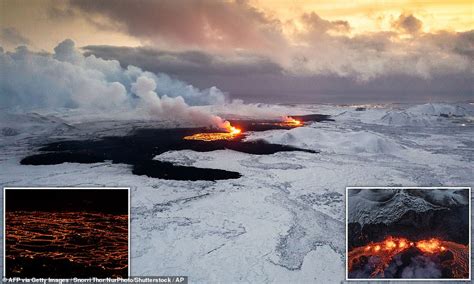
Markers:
289,121
232,132
66,244
386,250
459,263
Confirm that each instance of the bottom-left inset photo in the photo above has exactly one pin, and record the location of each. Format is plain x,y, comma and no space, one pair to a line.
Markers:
66,232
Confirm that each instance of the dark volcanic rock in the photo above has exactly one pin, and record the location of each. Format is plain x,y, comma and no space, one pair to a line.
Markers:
263,125
166,170
448,224
139,148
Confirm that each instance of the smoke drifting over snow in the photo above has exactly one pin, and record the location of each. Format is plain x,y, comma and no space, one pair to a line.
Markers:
419,266
172,108
68,79
422,267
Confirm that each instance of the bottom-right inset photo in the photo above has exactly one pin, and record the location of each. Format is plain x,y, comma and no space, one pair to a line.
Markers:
408,233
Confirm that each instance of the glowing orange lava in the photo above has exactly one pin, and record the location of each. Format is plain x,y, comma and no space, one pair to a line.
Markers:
231,133
459,264
430,246
289,121
234,131
96,241
385,251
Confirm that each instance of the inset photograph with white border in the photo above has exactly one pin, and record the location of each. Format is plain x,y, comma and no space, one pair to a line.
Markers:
64,232
408,233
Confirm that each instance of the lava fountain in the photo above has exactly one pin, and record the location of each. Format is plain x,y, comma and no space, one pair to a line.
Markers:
289,121
231,133
386,250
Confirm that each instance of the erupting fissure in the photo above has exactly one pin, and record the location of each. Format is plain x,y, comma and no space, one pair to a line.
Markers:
289,121
386,250
231,133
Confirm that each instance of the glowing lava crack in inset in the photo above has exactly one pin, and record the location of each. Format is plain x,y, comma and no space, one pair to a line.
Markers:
89,240
386,250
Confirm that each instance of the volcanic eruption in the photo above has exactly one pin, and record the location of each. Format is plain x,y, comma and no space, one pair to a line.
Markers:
289,121
409,233
454,256
230,134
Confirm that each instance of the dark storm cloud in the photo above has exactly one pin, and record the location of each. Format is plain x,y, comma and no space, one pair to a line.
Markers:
408,23
368,56
461,43
200,22
378,42
320,47
187,62
319,25
260,79
334,89
12,36
242,50
61,12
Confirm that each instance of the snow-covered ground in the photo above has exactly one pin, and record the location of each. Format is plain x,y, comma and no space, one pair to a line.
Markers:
283,220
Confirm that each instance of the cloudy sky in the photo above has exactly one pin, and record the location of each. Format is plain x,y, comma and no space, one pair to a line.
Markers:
285,51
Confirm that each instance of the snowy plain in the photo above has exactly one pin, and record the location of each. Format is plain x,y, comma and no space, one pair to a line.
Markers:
283,220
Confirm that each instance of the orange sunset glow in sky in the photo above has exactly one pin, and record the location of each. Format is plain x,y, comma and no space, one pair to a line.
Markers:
281,46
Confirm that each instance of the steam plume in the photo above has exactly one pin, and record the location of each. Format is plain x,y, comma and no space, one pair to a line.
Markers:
68,79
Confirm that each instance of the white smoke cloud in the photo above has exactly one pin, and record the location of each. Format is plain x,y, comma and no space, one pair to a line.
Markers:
422,267
68,79
172,108
419,266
